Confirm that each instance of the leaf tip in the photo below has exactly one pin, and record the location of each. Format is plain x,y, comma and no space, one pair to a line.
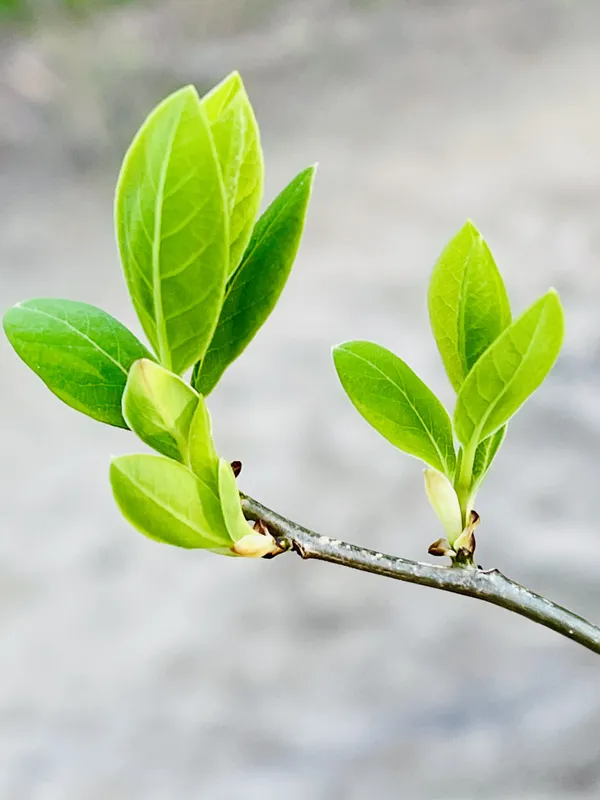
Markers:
552,292
471,228
337,349
552,298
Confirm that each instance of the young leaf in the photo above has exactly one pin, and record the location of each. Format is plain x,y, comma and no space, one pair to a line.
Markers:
468,303
237,141
255,288
203,457
172,228
444,501
510,370
205,463
230,503
165,501
396,403
485,454
81,353
159,407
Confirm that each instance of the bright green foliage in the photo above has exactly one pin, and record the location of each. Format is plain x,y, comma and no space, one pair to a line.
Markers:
165,501
485,454
159,406
396,403
204,463
204,277
255,288
229,495
81,353
200,274
173,229
510,370
237,142
202,455
468,304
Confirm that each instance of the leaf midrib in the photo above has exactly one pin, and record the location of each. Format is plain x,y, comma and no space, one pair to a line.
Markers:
159,316
144,490
462,303
94,344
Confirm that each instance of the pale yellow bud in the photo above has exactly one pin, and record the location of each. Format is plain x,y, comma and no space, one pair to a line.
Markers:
255,545
445,503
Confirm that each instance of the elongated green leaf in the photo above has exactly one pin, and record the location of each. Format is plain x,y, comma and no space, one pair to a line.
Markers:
205,463
159,407
230,502
510,370
485,454
172,228
81,353
237,141
165,501
203,457
468,304
396,403
256,286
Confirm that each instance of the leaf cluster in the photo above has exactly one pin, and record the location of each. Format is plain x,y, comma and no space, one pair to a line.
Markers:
493,362
204,273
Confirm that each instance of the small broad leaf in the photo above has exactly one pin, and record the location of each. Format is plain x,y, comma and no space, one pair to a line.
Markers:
159,407
230,502
396,403
255,288
81,353
172,228
204,463
203,457
468,303
237,142
485,454
165,501
510,371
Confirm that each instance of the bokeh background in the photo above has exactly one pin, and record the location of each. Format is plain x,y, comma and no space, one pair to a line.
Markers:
135,671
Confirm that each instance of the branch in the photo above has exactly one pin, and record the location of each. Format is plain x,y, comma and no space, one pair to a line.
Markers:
488,585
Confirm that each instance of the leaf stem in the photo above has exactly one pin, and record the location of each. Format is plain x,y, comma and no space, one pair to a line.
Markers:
491,586
464,480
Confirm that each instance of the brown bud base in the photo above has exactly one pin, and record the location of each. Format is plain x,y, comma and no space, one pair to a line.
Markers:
441,548
465,544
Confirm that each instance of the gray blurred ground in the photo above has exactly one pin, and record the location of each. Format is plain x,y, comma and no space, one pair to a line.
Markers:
131,671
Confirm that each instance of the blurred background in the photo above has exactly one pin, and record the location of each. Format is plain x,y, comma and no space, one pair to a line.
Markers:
135,671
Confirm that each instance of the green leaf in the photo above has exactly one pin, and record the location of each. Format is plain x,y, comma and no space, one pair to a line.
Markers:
203,457
255,288
237,141
396,403
468,303
485,454
510,370
204,462
81,353
172,228
159,407
165,501
230,503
